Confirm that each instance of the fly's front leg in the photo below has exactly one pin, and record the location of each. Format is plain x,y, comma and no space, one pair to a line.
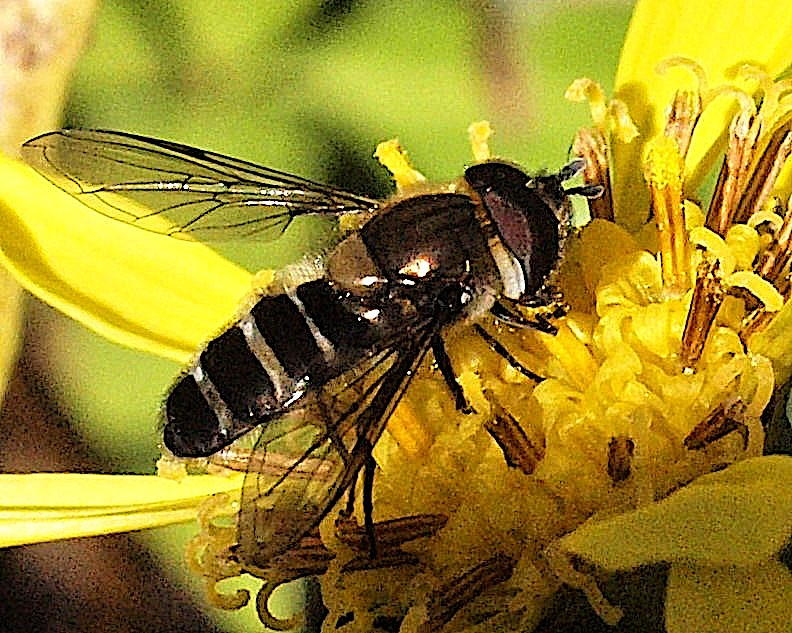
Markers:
447,371
368,503
535,313
450,305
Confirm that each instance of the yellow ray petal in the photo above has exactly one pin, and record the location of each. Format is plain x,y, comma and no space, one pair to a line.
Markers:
51,506
737,516
716,35
143,290
712,600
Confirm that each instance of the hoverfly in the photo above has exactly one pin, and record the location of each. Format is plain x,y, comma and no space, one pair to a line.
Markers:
320,362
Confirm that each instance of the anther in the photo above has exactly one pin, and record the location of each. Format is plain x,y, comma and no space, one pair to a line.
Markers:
682,116
762,178
518,449
590,145
620,454
707,297
464,588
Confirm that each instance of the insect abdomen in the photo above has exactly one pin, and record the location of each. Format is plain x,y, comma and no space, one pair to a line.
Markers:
285,345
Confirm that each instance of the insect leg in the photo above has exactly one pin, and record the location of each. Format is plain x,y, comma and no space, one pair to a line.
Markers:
349,510
368,503
497,347
505,314
447,370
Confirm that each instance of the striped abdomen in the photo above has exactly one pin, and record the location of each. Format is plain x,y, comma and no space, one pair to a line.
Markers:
286,344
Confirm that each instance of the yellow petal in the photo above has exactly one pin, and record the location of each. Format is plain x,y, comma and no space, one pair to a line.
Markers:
716,35
47,507
143,290
717,599
738,516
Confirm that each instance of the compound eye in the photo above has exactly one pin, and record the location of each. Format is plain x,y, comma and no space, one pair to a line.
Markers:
527,224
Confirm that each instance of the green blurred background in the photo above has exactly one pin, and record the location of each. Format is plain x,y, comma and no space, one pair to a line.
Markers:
308,87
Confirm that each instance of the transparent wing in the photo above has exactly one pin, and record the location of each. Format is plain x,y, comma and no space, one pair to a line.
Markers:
179,190
304,461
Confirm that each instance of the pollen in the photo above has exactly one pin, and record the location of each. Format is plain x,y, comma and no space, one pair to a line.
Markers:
663,170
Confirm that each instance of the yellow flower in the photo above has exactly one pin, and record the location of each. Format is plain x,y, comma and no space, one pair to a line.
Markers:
677,335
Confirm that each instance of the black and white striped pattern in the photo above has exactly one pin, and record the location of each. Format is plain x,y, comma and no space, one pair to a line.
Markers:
260,365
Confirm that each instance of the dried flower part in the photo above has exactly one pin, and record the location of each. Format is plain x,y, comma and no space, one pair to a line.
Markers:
389,536
759,318
589,144
759,182
681,119
463,589
663,168
620,457
777,256
733,173
518,450
707,298
722,421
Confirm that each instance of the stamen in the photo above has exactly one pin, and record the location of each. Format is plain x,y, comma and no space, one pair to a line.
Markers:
590,145
393,157
390,533
763,176
309,558
620,453
685,63
585,89
461,590
663,167
716,425
759,318
758,287
621,123
683,114
611,118
707,297
776,258
479,134
732,174
390,536
518,449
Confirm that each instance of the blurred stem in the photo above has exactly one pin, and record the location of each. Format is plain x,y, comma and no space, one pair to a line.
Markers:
40,41
499,51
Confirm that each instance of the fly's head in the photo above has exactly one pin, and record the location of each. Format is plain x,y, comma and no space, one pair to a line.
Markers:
530,215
